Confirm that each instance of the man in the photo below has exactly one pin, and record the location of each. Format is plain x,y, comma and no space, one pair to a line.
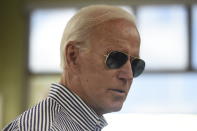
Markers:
99,58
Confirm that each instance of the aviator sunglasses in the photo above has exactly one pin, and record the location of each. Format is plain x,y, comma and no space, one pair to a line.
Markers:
116,59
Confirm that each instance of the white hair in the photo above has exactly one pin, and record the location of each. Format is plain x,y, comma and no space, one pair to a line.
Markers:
80,25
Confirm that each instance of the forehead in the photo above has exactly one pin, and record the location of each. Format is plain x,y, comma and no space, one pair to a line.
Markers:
116,34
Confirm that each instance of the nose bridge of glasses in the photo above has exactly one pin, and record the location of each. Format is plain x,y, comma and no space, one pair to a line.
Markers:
133,58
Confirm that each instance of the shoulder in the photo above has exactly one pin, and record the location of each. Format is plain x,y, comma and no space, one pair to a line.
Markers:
13,126
39,117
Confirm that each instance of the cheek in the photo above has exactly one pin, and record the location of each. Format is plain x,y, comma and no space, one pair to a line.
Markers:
92,66
96,77
90,70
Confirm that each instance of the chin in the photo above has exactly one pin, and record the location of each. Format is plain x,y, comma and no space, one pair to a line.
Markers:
115,108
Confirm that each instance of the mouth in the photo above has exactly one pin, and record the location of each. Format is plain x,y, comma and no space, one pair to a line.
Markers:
118,91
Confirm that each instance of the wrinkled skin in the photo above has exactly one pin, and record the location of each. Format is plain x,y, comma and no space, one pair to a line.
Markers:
102,89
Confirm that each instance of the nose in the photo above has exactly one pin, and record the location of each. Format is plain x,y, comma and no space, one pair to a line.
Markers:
126,71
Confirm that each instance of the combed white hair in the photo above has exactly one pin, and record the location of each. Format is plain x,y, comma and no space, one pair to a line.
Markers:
81,24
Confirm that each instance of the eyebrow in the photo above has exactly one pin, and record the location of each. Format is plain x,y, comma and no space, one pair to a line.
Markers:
118,48
123,48
112,45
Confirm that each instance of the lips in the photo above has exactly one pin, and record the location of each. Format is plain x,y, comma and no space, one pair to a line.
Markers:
118,90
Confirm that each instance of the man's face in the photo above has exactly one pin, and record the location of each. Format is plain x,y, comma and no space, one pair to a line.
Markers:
104,89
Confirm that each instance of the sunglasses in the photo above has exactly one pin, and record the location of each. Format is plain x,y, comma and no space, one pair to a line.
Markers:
116,59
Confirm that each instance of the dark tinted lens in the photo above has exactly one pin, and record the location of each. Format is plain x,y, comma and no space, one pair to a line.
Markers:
138,66
116,60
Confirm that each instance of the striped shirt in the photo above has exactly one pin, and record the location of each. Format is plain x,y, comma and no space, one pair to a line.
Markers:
62,110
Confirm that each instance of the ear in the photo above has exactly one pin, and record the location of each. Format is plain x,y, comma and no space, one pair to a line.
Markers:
71,55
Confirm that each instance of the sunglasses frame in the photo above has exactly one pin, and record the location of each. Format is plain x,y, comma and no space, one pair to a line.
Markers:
131,58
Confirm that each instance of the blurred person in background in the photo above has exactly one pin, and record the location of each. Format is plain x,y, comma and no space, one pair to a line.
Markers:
99,58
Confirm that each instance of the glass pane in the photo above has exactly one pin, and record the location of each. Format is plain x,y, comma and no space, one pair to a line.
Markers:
194,44
163,93
47,26
163,32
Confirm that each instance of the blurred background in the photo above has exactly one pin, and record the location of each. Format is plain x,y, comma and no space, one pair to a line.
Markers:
163,98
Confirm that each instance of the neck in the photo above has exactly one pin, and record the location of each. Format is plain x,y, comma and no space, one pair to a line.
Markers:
73,84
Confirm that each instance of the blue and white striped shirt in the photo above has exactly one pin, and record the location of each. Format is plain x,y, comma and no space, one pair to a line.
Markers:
62,110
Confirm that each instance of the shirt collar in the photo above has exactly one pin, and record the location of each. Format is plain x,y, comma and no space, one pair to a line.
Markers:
84,116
